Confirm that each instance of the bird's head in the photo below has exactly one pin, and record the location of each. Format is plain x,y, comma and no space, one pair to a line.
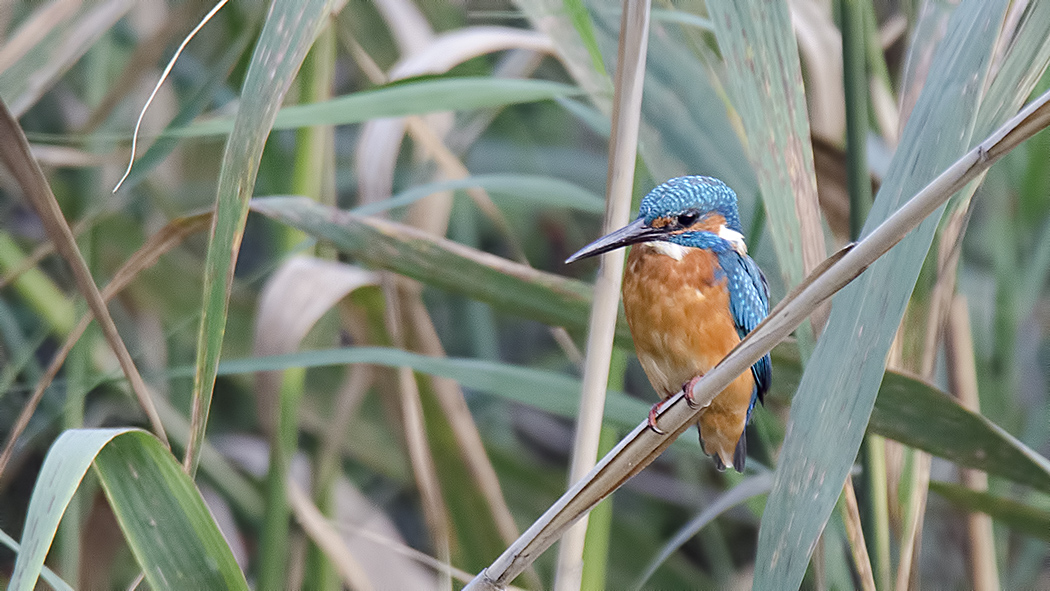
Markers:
688,211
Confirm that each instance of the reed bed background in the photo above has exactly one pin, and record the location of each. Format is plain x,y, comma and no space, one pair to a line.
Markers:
336,345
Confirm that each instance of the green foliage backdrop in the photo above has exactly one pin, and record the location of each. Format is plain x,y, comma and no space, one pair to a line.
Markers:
379,315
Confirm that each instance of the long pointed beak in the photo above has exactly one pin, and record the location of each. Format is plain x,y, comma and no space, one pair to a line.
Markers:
632,233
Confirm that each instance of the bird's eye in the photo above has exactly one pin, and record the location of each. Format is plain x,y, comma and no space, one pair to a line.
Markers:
688,218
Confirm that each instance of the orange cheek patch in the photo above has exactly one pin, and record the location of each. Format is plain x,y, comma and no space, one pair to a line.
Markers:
661,222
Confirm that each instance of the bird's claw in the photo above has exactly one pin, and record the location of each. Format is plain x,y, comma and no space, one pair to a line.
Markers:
652,418
687,390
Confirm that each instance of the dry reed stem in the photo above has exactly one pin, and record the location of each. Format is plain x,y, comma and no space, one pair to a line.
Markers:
962,381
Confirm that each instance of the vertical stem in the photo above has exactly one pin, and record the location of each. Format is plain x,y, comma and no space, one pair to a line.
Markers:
623,148
274,548
310,172
855,79
599,524
877,514
962,379
312,176
312,169
851,518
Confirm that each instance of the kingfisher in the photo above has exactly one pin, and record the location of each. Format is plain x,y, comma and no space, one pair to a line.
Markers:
691,293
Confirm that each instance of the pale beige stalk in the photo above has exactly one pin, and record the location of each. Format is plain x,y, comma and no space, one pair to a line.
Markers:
623,148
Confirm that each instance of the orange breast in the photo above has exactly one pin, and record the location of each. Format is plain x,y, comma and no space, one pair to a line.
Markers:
678,312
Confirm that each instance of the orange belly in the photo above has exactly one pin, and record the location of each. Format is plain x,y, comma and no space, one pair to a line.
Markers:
678,312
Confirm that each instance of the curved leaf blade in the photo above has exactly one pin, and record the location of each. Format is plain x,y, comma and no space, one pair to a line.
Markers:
167,526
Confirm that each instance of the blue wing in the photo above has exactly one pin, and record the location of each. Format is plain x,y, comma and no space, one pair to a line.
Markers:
749,304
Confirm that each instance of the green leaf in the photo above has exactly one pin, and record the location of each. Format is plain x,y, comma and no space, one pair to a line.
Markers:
515,288
919,415
907,409
765,83
165,522
1019,516
839,388
414,97
286,37
582,22
539,190
48,574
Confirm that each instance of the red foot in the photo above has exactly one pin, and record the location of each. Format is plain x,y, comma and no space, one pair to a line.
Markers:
652,418
687,390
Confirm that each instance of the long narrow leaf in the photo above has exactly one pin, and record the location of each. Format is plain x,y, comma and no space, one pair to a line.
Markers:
286,37
163,517
839,388
414,97
549,298
907,409
1019,516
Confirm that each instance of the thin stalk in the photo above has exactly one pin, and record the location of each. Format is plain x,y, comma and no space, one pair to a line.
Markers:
70,530
273,546
599,524
420,454
623,148
907,565
851,519
962,380
877,526
15,153
855,79
312,176
313,164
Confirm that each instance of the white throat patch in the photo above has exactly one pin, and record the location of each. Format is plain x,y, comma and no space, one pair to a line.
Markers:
733,237
670,249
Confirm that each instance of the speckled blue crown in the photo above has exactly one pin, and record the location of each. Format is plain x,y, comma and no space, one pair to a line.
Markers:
700,192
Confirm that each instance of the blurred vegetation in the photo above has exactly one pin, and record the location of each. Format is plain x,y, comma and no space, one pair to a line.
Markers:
419,391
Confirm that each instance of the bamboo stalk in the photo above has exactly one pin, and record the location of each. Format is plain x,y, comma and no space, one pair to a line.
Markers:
962,380
623,148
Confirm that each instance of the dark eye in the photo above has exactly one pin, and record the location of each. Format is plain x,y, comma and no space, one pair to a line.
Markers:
688,218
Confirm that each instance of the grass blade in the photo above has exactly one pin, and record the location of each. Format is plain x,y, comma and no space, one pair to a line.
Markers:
839,388
47,574
286,37
1019,516
404,97
932,425
549,298
765,80
160,511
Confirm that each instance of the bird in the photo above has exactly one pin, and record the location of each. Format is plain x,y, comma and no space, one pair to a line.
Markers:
690,294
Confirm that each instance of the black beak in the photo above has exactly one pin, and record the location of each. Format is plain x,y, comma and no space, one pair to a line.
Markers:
632,233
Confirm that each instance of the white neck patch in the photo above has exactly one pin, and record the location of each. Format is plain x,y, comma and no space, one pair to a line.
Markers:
670,249
733,237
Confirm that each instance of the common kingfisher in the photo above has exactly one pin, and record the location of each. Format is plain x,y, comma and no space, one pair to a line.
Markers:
691,293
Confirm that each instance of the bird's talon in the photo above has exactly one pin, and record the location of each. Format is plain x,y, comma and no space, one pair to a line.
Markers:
652,418
687,391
